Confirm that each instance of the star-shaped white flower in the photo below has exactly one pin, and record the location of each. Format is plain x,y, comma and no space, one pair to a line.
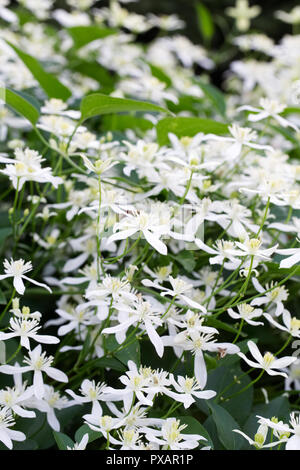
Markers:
17,270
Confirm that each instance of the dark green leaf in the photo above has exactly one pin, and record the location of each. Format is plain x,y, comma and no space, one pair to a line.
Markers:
62,440
85,429
194,427
225,425
50,84
19,104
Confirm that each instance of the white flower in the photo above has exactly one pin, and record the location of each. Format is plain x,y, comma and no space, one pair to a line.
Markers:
179,286
27,329
139,312
273,295
6,14
268,362
291,260
91,392
252,247
51,401
284,430
241,136
140,222
243,14
293,17
259,438
187,388
38,363
13,398
137,382
247,313
170,436
8,435
27,167
270,108
292,324
17,269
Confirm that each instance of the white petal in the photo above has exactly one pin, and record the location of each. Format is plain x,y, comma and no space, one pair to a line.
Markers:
56,374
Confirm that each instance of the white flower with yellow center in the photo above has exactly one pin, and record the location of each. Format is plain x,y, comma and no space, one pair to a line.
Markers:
246,313
38,363
268,362
170,436
17,270
291,324
274,295
26,330
91,392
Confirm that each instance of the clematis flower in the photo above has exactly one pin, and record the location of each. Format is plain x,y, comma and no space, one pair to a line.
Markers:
91,392
37,362
140,222
270,108
274,295
243,14
259,438
241,136
187,388
171,437
8,435
25,330
268,362
291,260
17,270
246,312
291,324
291,433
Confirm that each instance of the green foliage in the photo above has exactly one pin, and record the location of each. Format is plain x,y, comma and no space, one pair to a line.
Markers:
49,83
187,126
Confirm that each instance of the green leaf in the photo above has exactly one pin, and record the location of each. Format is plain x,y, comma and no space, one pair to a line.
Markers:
220,325
3,299
205,22
186,259
62,440
83,35
159,73
95,71
50,84
98,104
187,126
291,110
122,122
130,352
85,429
194,427
225,425
215,96
273,268
21,105
110,362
